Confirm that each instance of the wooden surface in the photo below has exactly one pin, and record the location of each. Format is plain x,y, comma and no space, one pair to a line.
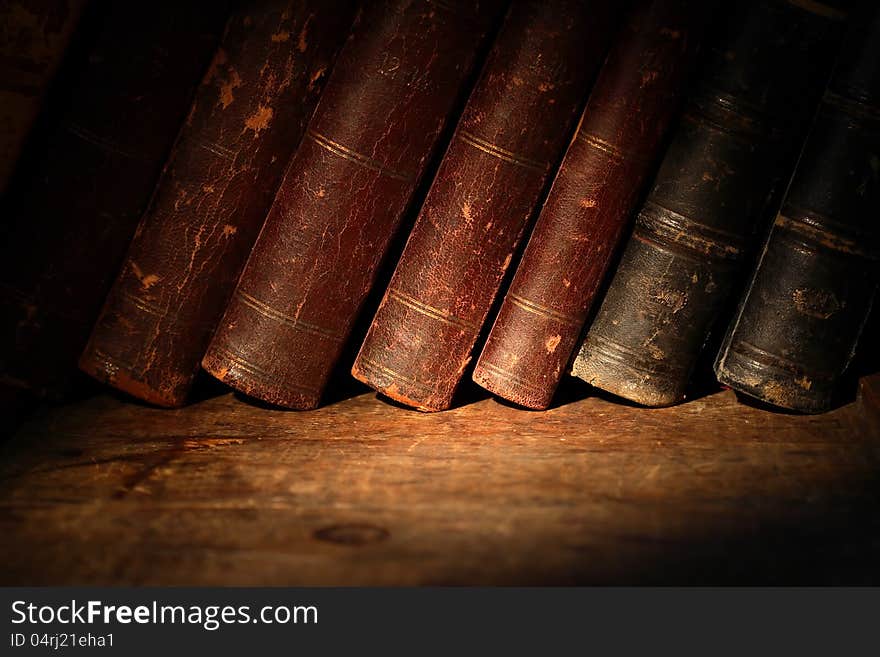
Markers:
363,492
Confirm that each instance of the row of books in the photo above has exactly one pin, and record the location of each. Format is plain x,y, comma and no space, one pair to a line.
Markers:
584,186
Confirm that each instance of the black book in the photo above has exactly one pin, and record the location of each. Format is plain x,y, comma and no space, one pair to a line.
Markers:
735,145
800,319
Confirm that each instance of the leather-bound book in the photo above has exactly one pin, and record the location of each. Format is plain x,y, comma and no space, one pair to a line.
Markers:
800,319
615,150
374,133
87,174
732,149
249,114
512,134
33,39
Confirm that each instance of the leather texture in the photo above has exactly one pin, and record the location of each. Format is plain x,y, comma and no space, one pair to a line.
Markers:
799,322
33,39
87,175
373,135
605,169
248,116
484,195
730,156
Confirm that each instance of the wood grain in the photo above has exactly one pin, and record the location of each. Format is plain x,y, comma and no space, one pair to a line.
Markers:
363,492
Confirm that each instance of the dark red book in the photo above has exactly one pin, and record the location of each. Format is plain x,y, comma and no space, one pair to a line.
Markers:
604,171
248,116
87,174
513,132
372,138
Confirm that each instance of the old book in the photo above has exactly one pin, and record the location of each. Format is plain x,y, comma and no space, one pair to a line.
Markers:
248,116
33,39
734,145
514,129
372,138
615,150
87,175
799,321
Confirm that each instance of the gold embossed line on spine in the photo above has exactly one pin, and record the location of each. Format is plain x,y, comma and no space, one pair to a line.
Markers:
600,144
268,311
500,153
338,149
543,311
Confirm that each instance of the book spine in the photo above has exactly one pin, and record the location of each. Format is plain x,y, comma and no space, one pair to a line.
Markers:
375,131
734,144
514,129
615,149
248,116
33,40
799,322
86,178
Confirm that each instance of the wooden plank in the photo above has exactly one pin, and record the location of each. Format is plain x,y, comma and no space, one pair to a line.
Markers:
363,492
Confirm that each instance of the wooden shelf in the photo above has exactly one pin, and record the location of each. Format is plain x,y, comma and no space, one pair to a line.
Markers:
363,492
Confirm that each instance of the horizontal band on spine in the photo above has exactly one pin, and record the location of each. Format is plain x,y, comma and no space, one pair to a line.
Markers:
501,153
542,311
812,232
371,364
441,4
728,115
504,374
287,320
674,230
600,144
856,109
758,358
271,380
353,156
430,311
101,142
819,8
614,352
216,149
112,365
143,305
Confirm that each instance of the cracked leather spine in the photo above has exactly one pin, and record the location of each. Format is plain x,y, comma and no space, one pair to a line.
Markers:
798,324
375,131
511,136
731,152
87,174
605,168
249,113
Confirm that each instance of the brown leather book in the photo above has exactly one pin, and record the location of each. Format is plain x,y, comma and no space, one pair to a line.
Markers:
732,151
599,182
514,129
33,39
372,138
799,322
248,116
86,177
